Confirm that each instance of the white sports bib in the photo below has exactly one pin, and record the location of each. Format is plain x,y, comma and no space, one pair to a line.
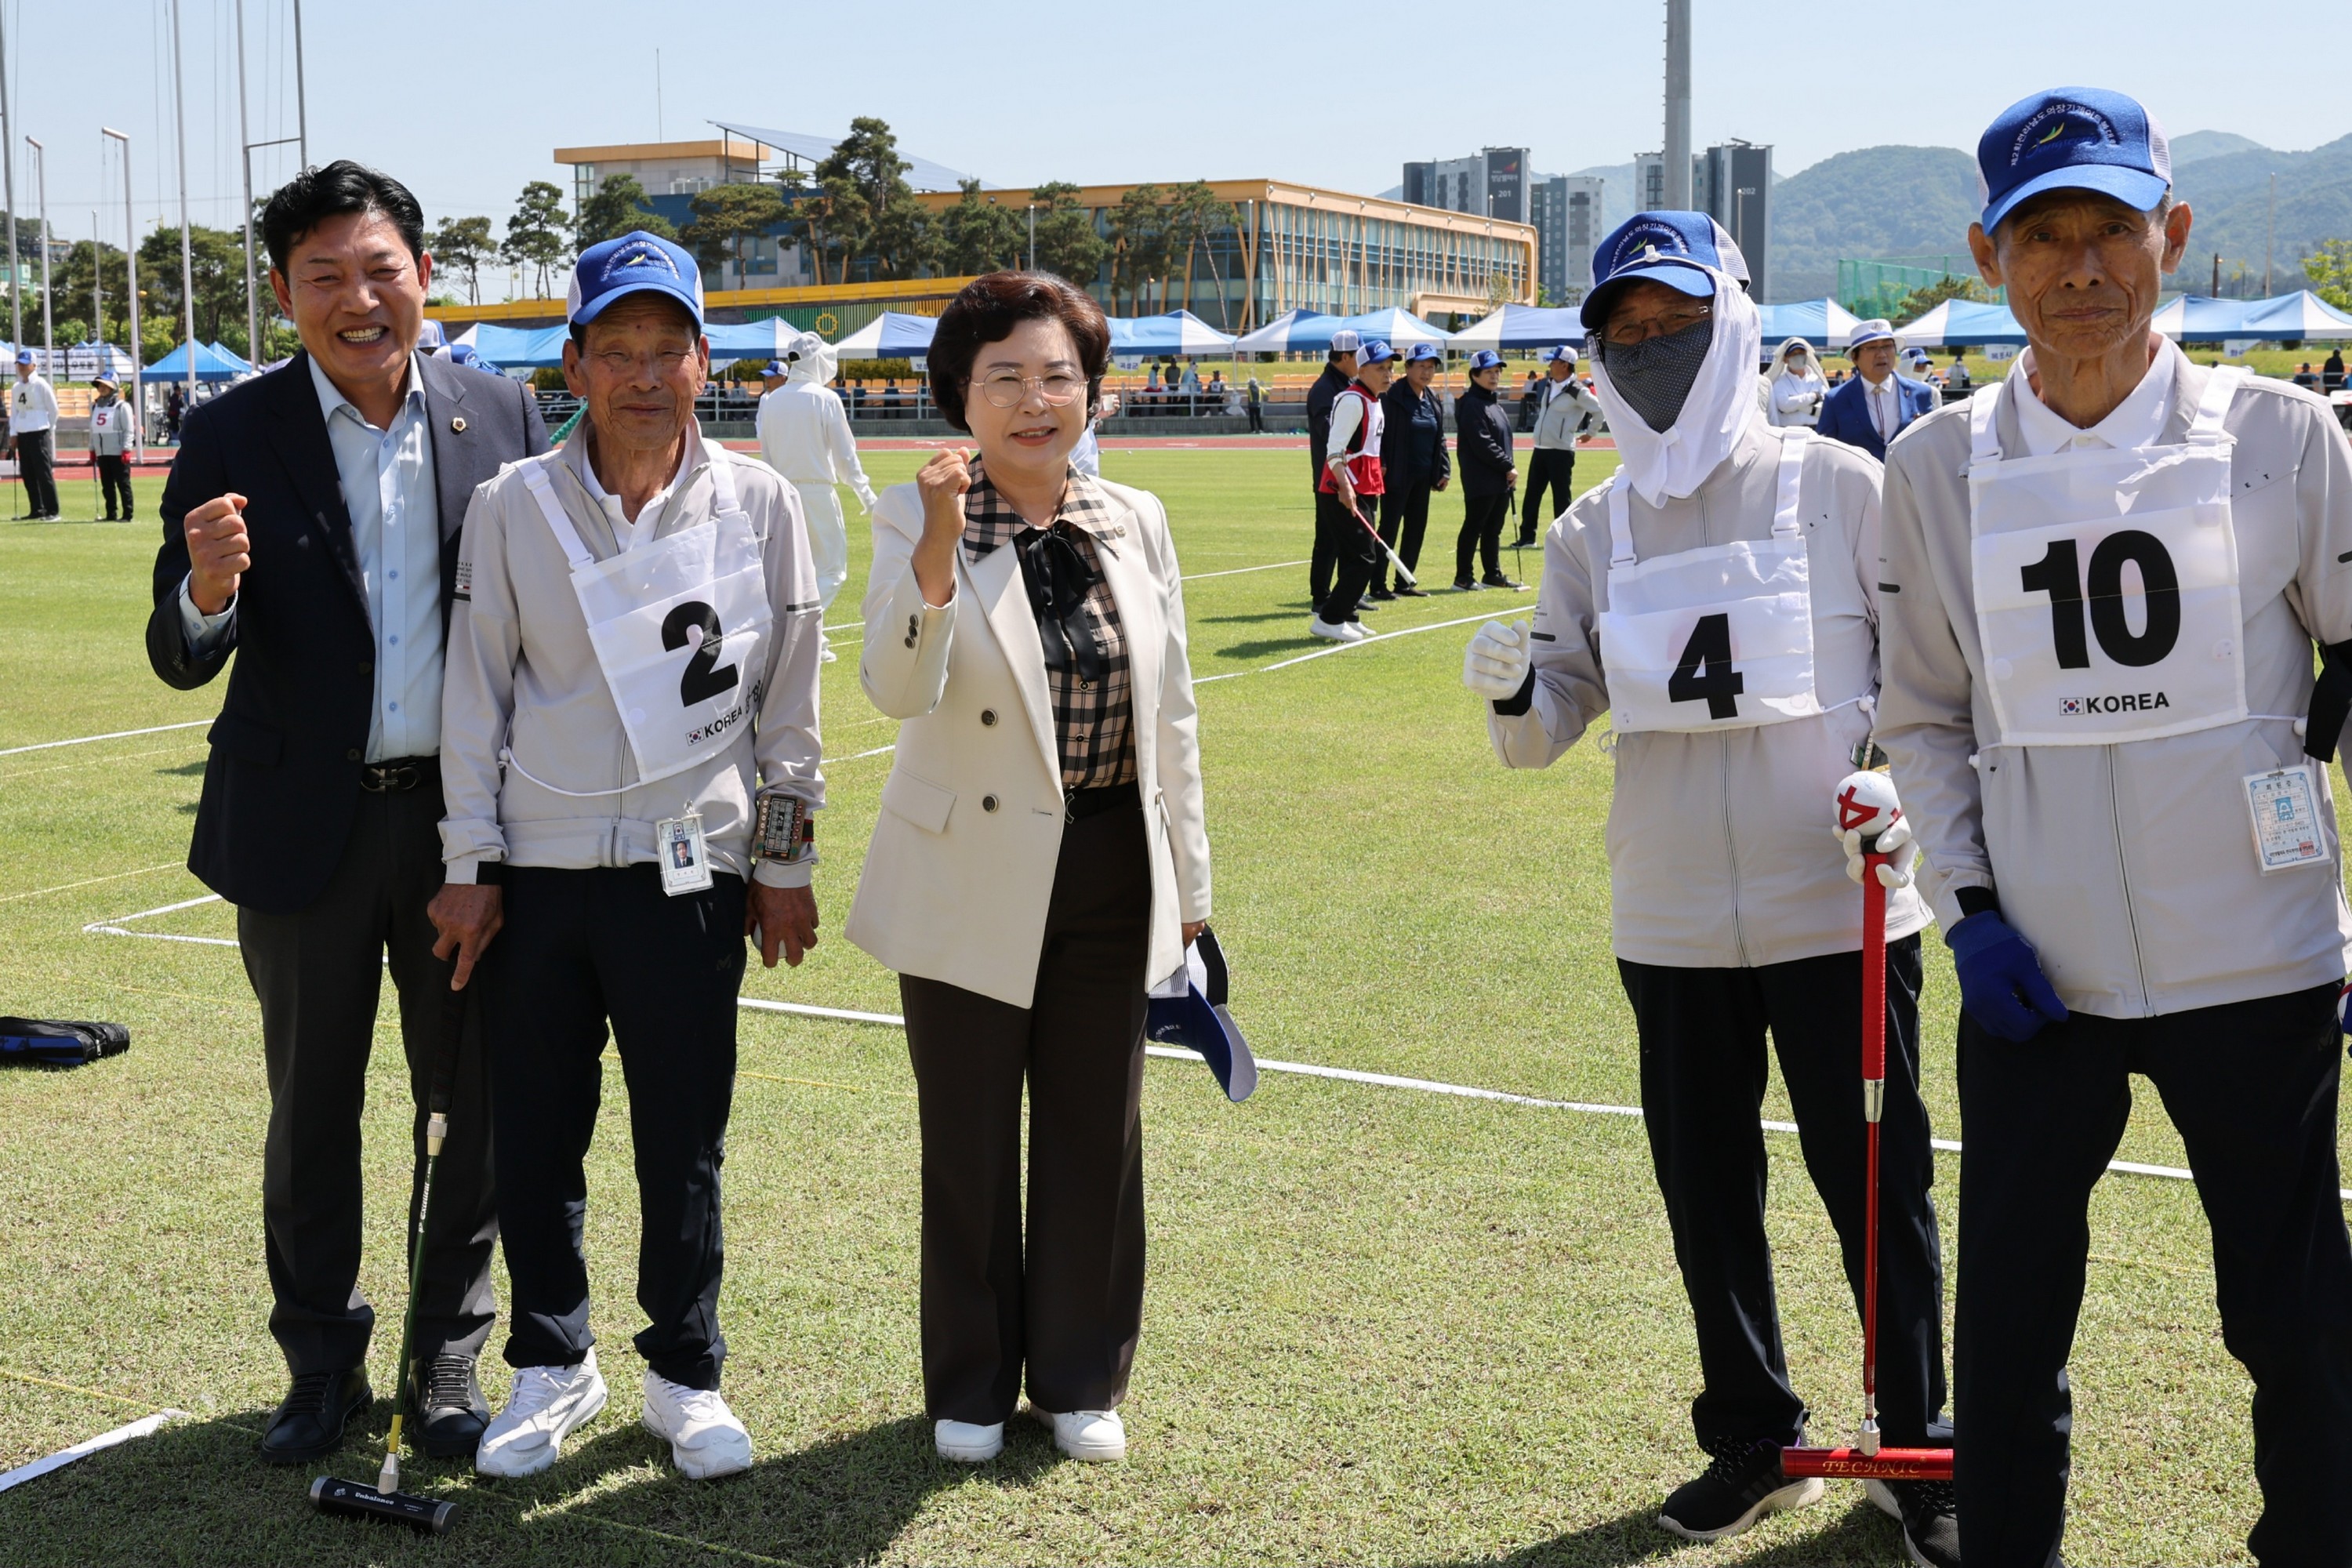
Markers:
678,624
1715,639
2106,583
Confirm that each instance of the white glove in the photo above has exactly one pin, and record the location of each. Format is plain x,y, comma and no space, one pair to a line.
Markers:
865,492
1495,664
1895,841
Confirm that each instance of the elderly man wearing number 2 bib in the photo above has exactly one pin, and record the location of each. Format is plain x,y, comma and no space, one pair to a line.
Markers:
1720,601
636,640
2104,577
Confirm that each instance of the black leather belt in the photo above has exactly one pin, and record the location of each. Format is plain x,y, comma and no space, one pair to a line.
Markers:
397,775
1077,804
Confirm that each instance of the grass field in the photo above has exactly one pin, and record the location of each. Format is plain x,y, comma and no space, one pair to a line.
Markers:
1383,1326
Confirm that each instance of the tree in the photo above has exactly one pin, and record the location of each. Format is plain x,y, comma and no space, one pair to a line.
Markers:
1920,300
535,233
2330,270
1138,243
462,244
618,208
1067,245
726,215
977,235
1196,212
837,223
217,263
72,280
864,185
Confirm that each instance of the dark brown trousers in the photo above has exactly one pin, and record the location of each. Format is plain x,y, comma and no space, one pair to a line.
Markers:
1071,1308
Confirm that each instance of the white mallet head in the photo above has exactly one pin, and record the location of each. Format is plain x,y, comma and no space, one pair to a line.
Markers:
1866,804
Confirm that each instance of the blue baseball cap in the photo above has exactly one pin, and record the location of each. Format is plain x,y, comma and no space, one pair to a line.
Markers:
1199,1019
24,356
1485,359
1564,352
2073,139
636,263
774,370
1419,351
1374,352
1670,248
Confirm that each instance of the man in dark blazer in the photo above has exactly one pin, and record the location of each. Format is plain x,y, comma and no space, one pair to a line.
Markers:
311,527
1871,408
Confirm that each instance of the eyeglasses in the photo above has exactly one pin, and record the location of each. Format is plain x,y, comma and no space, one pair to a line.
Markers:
1625,334
1005,389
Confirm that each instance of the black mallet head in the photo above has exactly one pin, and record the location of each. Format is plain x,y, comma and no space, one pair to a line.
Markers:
354,1500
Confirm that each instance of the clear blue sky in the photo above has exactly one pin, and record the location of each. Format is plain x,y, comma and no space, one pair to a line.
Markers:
464,99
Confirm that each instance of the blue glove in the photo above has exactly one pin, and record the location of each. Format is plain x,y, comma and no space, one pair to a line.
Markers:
2002,983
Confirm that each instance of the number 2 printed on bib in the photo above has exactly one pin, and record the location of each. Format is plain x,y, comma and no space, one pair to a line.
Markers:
2112,628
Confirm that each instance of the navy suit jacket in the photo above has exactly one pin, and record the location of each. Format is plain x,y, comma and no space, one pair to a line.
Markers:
283,780
1846,417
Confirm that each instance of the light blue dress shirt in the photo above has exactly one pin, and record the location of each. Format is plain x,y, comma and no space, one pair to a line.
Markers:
387,483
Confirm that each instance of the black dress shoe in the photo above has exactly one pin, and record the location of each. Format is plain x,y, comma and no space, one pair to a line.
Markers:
453,1414
1405,592
309,1423
1382,595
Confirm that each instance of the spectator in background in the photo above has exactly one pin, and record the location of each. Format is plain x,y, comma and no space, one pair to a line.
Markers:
2331,373
1531,400
1562,404
1254,402
2304,376
1489,473
1339,369
1190,385
1797,387
890,399
175,407
1956,379
33,435
1879,404
1414,462
109,443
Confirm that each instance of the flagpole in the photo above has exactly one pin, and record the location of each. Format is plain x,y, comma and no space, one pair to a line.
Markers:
187,266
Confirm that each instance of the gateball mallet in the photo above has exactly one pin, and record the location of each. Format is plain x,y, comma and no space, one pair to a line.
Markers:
385,1500
1866,804
1403,575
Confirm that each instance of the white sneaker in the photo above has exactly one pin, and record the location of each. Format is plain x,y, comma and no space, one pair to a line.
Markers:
1318,627
1098,1436
545,1406
706,1441
828,655
969,1442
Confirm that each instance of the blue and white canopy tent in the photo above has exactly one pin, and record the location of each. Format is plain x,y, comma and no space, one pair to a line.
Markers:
1824,323
517,348
2294,317
1396,327
1293,332
1177,333
1963,324
890,335
1520,327
212,364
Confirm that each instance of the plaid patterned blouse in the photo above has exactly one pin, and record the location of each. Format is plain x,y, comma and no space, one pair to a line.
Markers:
1094,722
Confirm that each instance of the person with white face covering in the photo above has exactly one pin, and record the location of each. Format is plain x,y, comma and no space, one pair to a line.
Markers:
2106,578
1730,571
804,435
1798,386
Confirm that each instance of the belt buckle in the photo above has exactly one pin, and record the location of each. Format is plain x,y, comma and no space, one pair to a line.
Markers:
386,778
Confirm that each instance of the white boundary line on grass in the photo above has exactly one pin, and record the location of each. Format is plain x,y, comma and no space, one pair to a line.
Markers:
1304,1069
142,1427
113,735
1237,570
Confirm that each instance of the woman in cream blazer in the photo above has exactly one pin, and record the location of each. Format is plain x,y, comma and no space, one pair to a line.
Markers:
1039,862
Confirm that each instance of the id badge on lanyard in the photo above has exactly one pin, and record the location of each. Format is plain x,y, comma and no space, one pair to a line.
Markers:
684,858
2285,804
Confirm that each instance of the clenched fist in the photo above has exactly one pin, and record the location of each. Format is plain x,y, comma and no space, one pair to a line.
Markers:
1495,664
219,551
943,483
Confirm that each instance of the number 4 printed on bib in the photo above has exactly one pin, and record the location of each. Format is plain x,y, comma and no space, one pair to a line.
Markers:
1704,672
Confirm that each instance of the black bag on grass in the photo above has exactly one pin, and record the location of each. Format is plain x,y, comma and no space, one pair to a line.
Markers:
55,1043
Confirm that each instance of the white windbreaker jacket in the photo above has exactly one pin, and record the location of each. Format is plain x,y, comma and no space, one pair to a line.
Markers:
1721,853
2130,867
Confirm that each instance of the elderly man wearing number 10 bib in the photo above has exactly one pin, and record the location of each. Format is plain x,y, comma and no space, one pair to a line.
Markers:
2104,578
637,638
1718,600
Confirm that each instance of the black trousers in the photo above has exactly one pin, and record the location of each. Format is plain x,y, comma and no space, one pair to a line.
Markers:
1702,1076
580,948
2252,1087
37,460
1552,468
114,479
1353,556
1066,1301
1404,518
1256,419
1482,532
317,975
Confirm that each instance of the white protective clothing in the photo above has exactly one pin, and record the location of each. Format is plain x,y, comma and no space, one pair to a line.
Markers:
2129,862
1675,461
1797,394
804,435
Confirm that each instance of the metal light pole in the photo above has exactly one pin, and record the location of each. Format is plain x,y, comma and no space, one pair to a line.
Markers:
2270,237
49,335
253,354
130,280
1679,104
187,266
9,188
97,285
301,108
1033,237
